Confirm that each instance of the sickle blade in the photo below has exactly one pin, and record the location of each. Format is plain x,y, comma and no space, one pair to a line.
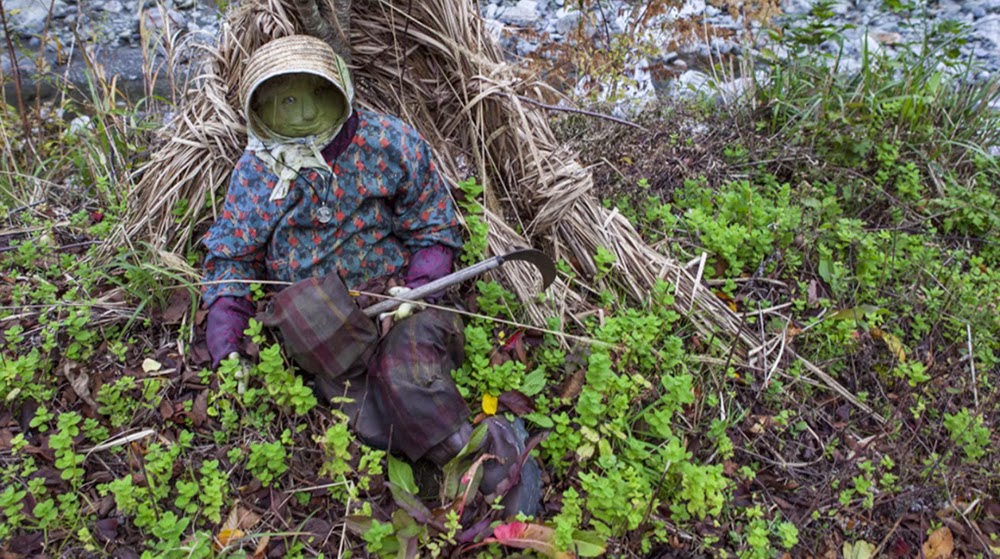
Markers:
536,258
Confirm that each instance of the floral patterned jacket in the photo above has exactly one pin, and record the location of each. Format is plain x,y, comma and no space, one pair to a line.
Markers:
382,196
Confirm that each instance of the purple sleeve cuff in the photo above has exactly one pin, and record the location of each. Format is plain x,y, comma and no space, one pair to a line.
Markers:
428,264
227,318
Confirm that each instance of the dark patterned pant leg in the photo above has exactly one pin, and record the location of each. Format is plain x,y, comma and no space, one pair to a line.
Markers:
409,379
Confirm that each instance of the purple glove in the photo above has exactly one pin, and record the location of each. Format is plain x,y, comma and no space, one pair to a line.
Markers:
427,265
227,318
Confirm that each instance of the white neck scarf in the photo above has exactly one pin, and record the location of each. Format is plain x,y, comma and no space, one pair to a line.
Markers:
285,157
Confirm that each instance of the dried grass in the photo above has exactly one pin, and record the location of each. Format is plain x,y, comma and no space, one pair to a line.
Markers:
433,63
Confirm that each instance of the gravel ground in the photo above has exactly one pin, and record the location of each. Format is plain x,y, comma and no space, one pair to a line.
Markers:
114,30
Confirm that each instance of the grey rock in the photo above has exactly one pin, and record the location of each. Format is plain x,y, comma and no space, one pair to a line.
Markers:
721,46
184,4
29,17
691,83
494,28
111,7
523,14
79,124
567,21
842,8
157,20
525,47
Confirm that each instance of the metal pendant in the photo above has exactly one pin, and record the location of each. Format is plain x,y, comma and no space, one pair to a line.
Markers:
324,214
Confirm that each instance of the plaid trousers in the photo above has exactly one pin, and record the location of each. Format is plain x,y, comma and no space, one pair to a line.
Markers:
400,393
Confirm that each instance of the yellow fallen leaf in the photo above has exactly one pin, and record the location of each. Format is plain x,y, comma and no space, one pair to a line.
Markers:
227,536
489,404
892,342
239,520
151,366
858,550
940,544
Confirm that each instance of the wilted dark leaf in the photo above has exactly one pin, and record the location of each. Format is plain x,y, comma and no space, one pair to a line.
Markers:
166,409
107,529
319,530
178,306
125,553
571,388
409,502
199,411
517,402
27,544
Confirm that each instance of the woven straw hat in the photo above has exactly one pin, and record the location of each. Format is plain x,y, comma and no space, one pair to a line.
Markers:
295,54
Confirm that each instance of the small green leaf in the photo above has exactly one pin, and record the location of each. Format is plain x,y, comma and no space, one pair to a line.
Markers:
533,382
401,474
588,544
540,419
825,269
458,465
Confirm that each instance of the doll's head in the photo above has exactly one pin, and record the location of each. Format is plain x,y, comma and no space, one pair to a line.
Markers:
296,87
299,104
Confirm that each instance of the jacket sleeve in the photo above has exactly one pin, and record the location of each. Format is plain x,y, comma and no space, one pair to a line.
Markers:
237,241
424,213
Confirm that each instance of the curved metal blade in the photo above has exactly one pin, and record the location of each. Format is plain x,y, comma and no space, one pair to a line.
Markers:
536,258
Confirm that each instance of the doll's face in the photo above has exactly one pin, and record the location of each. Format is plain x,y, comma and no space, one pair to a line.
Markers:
297,105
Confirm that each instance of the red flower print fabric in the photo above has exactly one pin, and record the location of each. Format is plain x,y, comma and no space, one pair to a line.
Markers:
381,200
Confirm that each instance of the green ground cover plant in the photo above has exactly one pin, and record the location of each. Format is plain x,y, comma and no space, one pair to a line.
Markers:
851,219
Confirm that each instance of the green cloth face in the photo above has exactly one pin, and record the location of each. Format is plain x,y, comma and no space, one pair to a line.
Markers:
298,105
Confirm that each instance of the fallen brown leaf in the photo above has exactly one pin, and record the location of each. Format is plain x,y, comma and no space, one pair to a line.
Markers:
940,544
199,410
80,381
177,307
240,520
573,385
166,409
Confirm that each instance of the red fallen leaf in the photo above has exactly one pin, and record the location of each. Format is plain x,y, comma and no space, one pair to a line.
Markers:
96,216
900,548
541,538
517,402
528,536
515,345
